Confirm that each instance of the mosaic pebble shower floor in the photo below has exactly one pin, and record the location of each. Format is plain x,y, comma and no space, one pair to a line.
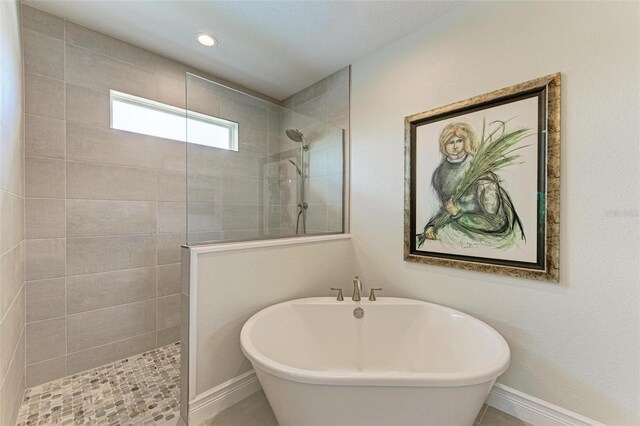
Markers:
142,389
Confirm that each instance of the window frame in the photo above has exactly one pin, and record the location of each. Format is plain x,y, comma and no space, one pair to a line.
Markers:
231,126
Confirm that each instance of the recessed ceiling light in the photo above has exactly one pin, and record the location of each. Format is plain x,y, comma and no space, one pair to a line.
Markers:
206,39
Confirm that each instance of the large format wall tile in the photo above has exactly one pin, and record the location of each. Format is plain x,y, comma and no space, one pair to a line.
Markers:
242,109
12,276
116,147
315,108
11,109
169,248
12,224
168,335
86,68
338,107
12,389
171,186
92,40
203,96
12,163
43,55
44,96
171,154
310,92
238,165
104,354
339,79
101,182
44,137
84,105
44,218
203,160
45,258
171,91
11,328
240,191
168,314
95,291
204,217
238,217
203,189
103,254
94,328
317,218
46,371
241,234
94,218
252,142
42,22
172,217
46,339
168,281
44,178
45,299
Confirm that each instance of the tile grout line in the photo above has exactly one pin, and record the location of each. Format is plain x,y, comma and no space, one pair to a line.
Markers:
13,355
66,315
24,210
66,267
483,411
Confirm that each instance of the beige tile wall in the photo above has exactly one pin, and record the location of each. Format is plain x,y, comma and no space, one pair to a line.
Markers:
106,209
12,229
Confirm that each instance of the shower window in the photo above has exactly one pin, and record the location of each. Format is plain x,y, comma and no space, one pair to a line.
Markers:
140,115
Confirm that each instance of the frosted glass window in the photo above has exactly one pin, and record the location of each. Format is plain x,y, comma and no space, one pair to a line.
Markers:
140,115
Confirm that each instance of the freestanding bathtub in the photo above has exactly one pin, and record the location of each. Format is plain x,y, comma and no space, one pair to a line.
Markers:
405,362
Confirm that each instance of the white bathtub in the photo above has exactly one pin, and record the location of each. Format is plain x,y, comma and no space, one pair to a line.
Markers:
406,362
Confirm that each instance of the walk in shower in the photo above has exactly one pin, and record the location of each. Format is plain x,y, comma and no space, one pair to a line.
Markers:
121,168
271,171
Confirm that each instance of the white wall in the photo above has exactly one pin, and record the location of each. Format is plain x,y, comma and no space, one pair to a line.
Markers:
233,285
575,344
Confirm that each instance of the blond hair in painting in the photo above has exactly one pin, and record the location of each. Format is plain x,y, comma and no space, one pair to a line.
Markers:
462,130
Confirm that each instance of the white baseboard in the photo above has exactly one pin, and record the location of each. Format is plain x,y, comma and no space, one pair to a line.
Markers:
213,401
511,401
533,410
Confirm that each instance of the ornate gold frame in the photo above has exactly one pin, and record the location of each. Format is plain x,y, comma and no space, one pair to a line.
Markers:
551,272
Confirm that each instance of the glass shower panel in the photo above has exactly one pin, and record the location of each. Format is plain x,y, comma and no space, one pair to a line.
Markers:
283,177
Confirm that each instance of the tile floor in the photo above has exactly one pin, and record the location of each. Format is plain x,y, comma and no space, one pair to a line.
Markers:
143,389
255,411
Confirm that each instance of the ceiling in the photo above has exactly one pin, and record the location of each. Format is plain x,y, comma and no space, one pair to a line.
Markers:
274,47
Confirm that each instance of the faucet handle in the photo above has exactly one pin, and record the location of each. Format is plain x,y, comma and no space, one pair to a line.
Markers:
372,294
340,296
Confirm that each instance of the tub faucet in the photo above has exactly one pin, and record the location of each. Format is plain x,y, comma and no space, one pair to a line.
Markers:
357,288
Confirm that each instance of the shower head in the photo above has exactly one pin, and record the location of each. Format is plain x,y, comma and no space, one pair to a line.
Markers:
295,135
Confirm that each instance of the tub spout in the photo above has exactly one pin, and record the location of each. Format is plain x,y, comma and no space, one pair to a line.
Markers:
357,288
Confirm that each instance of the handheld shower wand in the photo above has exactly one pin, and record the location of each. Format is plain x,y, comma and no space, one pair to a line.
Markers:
297,136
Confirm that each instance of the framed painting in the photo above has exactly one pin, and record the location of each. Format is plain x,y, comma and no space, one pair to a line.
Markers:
482,182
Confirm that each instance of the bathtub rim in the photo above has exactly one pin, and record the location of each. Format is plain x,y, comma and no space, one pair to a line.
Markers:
373,378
